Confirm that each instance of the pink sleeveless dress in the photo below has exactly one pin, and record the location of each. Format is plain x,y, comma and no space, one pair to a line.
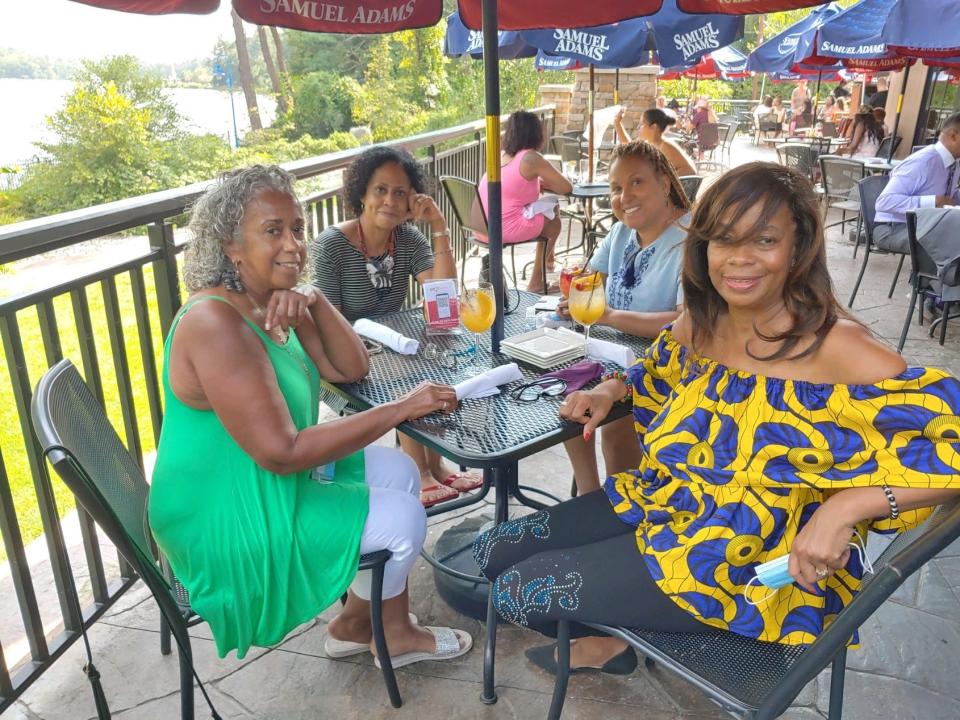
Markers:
517,192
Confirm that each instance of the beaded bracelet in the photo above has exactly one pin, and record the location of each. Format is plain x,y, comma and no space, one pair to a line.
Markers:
894,508
440,233
622,377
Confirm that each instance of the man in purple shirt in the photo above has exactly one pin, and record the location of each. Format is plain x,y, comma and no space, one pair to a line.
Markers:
927,178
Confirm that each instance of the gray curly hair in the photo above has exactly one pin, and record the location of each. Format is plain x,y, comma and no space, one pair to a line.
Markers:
215,219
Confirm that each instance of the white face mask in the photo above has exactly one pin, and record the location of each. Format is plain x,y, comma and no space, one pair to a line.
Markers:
774,574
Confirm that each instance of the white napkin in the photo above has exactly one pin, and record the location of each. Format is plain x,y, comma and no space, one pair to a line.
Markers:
598,349
382,334
546,206
488,383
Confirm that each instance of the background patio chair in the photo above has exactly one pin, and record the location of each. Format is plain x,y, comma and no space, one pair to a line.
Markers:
828,129
839,176
691,185
884,148
926,279
759,680
708,138
869,189
88,455
728,133
464,198
798,155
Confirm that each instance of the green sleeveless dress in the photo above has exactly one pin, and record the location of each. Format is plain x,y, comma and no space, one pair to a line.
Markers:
259,552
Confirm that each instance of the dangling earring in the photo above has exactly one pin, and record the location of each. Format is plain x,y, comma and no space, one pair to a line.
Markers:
230,277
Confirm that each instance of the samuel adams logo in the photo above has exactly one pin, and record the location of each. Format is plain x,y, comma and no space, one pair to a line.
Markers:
696,41
788,44
577,42
331,12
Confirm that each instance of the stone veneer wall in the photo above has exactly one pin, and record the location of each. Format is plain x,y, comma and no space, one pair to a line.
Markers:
559,96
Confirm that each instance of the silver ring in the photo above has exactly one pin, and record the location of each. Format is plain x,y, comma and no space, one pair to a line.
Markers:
822,572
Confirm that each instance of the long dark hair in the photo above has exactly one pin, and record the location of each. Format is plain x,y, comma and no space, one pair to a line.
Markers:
657,117
524,131
872,127
808,293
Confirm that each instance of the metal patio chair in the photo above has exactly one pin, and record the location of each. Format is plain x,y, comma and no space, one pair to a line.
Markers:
839,177
88,455
869,189
691,185
759,680
926,279
799,156
464,197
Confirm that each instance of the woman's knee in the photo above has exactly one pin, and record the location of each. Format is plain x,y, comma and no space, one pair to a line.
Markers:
551,228
391,468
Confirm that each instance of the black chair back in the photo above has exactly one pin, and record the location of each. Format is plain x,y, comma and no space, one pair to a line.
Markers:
829,129
884,148
799,156
566,147
708,137
869,189
465,198
923,265
840,175
691,185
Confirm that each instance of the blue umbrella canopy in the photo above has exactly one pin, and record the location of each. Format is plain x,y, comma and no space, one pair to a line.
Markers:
927,28
683,38
781,52
855,33
622,44
461,41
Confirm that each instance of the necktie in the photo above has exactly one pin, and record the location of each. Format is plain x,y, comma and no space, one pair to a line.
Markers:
950,175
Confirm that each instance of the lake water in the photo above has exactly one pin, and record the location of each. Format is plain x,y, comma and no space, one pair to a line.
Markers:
27,103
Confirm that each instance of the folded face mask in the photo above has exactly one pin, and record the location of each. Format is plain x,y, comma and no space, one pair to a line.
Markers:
577,375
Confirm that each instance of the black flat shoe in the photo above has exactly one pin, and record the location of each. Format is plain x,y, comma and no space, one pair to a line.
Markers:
545,658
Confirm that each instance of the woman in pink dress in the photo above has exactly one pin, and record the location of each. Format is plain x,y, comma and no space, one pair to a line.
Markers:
524,173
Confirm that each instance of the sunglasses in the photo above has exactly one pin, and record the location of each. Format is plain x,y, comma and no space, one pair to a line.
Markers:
447,358
545,387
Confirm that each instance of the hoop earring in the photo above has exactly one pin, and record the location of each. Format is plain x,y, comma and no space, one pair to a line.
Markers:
230,277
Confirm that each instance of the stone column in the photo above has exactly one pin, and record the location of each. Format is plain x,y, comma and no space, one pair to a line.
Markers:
560,96
638,91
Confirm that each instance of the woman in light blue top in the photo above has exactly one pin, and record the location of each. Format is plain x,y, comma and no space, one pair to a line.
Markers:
640,262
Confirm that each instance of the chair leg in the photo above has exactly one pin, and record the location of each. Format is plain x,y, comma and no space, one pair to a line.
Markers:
542,249
380,639
863,267
943,322
906,322
837,673
856,238
896,276
186,682
164,636
563,670
513,264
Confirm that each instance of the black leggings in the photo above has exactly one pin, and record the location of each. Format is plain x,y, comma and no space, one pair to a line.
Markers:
575,561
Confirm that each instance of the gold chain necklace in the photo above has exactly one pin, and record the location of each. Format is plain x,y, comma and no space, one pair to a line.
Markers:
282,337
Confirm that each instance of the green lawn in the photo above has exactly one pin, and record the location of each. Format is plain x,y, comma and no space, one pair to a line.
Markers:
11,437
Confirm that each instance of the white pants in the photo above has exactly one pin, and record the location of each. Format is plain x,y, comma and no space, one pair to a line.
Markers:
396,521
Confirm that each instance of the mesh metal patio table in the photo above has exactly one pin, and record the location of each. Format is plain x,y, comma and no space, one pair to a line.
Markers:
491,433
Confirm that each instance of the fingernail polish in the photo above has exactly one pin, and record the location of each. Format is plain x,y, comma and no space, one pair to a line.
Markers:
586,434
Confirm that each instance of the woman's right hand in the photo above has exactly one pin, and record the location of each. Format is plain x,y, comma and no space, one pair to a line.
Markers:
587,407
426,398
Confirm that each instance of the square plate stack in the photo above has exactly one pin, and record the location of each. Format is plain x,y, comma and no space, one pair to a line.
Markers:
544,347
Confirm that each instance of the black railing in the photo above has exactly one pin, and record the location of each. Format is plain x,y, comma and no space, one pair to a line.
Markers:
111,320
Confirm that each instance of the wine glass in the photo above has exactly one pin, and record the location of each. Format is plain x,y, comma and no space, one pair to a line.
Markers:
588,301
478,310
573,265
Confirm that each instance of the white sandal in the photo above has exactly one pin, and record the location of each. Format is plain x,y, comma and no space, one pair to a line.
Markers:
450,643
337,649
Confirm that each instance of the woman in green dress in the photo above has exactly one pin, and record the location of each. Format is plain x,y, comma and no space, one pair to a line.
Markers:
262,512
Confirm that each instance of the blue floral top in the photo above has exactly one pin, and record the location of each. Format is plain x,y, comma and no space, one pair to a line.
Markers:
736,463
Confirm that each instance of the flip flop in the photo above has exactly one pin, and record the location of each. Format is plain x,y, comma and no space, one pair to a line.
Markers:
345,648
468,481
448,647
545,658
442,498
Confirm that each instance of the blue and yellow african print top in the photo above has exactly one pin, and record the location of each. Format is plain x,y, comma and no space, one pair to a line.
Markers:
736,463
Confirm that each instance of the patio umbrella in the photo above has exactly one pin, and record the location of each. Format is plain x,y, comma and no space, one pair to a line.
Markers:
727,63
461,41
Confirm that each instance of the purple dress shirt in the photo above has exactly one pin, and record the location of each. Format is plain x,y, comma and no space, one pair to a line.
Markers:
917,181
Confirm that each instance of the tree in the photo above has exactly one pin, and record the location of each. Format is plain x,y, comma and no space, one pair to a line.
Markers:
349,54
322,104
246,76
282,65
272,70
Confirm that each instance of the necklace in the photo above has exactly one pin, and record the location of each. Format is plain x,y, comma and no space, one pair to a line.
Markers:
379,269
282,336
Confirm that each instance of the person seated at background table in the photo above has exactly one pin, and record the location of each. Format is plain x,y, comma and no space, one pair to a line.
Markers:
702,115
639,261
803,118
780,112
866,137
770,423
926,178
653,124
881,115
766,116
828,110
524,174
262,512
661,104
841,90
363,267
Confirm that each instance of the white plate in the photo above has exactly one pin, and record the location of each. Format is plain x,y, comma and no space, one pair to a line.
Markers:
546,343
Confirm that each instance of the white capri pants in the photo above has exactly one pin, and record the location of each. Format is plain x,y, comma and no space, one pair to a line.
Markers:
396,521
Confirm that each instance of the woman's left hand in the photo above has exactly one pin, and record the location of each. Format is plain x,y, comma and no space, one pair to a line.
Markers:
822,546
287,308
424,209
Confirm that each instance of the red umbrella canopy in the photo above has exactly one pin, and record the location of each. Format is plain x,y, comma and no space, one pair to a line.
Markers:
744,7
156,7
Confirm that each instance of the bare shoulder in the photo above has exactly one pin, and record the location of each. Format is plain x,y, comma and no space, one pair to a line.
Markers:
210,324
682,330
855,356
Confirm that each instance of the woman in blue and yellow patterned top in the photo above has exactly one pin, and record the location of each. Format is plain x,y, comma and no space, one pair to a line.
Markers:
770,423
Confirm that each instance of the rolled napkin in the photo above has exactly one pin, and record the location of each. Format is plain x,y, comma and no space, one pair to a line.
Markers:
611,352
546,206
488,383
389,337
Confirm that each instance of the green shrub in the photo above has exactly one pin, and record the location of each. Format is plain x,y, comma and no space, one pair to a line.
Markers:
322,104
